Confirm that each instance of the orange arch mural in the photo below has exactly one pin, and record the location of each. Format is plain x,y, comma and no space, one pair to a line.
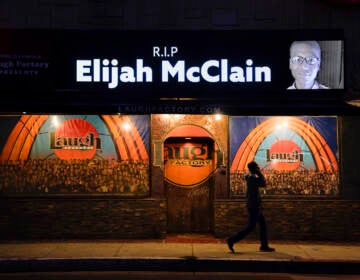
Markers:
21,138
126,137
324,158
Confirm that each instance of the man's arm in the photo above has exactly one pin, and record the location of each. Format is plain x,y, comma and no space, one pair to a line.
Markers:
261,179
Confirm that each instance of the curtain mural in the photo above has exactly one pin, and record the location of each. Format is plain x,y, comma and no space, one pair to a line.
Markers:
75,154
298,155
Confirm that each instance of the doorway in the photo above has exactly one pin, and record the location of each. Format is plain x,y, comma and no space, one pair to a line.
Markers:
189,164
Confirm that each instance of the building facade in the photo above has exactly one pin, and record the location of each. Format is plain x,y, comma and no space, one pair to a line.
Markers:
145,168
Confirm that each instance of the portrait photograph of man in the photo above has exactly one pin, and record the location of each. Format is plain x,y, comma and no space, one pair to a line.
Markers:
316,65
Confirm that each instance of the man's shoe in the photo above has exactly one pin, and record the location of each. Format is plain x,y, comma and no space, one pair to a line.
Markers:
267,249
230,245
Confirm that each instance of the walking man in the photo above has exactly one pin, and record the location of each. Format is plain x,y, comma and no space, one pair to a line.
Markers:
254,180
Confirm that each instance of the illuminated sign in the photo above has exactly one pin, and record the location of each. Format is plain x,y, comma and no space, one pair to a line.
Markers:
169,64
212,71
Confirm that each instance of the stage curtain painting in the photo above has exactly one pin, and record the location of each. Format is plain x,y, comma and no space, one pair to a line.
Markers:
55,154
298,155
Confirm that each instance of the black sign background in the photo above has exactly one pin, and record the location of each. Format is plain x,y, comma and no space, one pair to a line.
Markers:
61,49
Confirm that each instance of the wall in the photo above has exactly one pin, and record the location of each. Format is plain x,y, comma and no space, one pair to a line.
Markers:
350,153
201,14
294,219
81,217
28,217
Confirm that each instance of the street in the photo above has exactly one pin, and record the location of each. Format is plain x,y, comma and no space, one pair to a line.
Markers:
150,275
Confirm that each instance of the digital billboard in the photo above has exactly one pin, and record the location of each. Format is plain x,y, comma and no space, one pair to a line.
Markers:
121,65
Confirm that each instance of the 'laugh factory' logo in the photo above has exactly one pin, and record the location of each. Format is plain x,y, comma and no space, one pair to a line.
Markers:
187,164
75,139
284,155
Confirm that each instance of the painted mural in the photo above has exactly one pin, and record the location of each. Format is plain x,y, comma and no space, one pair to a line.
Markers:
55,154
298,155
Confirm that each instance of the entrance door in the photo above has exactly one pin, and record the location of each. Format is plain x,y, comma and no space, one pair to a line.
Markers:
188,170
189,210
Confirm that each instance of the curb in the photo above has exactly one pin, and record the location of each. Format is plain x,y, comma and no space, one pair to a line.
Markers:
181,265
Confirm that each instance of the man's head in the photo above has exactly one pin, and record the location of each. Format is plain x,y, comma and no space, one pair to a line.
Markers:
304,63
253,167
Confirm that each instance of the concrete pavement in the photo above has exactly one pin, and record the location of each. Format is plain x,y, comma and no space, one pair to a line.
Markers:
178,255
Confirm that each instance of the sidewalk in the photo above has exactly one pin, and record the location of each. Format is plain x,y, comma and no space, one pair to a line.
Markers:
178,254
